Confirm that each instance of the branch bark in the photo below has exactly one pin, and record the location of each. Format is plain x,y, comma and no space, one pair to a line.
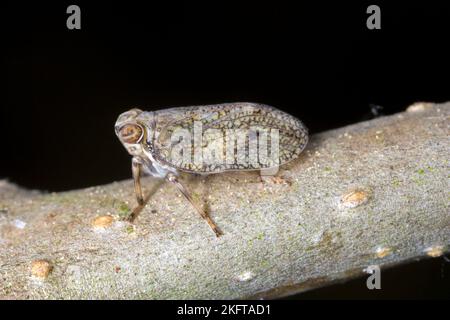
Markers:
373,193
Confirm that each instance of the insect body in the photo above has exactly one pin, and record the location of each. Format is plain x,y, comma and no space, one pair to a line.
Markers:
208,139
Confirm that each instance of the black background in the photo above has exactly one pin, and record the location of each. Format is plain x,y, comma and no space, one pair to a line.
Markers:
318,61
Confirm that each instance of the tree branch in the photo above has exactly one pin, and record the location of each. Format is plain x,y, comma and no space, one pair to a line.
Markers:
373,193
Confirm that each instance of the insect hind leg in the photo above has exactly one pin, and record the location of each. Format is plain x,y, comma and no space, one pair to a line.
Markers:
173,179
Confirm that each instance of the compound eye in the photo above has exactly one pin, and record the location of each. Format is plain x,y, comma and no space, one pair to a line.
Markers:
131,133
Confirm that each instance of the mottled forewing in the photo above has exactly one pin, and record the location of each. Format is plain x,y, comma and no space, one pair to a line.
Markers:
229,134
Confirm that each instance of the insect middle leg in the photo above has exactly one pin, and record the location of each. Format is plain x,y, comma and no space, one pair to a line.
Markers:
172,178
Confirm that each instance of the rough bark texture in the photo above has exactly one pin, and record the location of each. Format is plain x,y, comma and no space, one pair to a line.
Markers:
373,193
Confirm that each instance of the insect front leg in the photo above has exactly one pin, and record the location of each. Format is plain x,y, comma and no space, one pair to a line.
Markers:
136,166
172,178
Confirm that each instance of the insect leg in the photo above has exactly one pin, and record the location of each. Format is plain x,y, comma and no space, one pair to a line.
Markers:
172,178
136,169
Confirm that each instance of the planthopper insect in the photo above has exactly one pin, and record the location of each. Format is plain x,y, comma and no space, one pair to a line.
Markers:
208,139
